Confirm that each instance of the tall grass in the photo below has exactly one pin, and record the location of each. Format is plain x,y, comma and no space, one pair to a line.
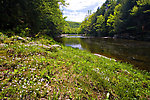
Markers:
32,72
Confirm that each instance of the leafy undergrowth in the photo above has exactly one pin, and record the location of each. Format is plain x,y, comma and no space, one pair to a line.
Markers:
32,72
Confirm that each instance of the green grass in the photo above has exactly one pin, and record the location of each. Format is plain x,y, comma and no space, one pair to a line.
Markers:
32,72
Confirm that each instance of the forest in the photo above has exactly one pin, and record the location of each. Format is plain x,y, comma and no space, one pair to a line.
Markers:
128,19
71,27
31,17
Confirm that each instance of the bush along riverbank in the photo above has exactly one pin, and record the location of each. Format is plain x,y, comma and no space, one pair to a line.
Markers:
37,68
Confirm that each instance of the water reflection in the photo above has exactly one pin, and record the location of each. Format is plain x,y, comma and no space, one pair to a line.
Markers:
75,46
134,52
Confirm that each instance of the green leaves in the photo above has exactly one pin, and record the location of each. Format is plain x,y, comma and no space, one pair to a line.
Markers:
71,27
119,16
15,70
100,19
143,2
134,10
29,17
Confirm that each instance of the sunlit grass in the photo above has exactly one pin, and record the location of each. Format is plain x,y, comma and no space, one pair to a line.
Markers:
32,72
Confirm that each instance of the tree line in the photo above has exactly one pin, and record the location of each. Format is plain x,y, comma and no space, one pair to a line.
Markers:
122,18
29,17
71,27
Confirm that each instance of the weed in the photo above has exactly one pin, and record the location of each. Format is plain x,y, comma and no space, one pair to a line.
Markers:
32,72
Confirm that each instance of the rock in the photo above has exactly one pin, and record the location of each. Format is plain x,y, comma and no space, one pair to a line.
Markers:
104,57
55,46
32,43
51,47
2,37
2,45
19,38
44,46
28,38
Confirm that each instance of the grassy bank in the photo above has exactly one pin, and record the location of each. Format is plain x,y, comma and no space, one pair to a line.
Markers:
34,72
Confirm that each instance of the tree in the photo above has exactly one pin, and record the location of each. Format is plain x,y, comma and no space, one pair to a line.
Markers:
99,26
37,15
71,27
86,25
122,17
141,12
110,23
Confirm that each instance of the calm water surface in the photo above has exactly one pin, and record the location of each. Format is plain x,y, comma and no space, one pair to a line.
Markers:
130,51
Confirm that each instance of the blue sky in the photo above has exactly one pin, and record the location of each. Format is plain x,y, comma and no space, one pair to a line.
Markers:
78,9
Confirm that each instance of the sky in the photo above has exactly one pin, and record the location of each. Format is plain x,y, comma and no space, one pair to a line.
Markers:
78,9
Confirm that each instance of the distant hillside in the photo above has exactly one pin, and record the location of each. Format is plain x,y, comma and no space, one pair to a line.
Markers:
74,24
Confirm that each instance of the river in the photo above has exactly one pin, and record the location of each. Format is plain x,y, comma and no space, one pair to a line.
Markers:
134,52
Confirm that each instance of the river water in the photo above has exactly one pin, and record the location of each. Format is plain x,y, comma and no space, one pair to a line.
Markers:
136,53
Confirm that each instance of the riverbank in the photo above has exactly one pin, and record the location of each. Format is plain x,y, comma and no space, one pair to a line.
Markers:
145,37
130,51
36,72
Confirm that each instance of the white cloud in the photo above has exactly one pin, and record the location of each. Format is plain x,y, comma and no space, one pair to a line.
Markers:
75,16
100,4
81,4
77,9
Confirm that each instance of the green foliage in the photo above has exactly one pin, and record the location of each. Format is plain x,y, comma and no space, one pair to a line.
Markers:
134,10
143,2
99,24
141,12
42,16
74,24
94,28
110,22
32,72
115,20
125,18
86,25
71,27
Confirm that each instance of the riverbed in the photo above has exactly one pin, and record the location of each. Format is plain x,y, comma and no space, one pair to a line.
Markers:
134,52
